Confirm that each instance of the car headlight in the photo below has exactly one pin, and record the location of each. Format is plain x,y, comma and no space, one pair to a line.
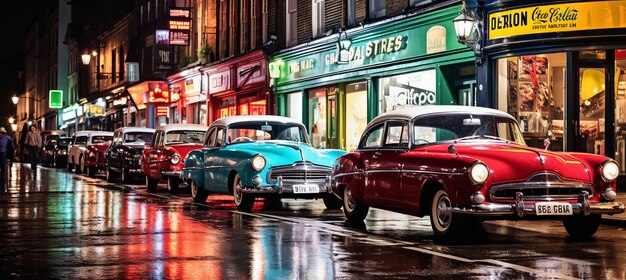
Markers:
479,172
610,171
175,159
258,162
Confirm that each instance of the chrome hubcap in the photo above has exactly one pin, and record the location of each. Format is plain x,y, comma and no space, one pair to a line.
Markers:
350,200
194,189
444,211
238,193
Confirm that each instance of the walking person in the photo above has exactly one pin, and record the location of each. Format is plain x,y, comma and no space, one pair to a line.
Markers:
33,143
6,149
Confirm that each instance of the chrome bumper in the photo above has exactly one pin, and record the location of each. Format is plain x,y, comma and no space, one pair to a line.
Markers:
134,171
283,188
519,208
178,174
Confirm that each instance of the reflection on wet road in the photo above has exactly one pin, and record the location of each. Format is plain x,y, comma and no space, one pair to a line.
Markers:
59,225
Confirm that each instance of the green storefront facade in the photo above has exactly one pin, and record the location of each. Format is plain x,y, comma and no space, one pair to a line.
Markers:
410,61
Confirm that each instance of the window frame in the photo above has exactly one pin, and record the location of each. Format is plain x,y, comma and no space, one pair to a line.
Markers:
404,124
291,25
369,131
318,14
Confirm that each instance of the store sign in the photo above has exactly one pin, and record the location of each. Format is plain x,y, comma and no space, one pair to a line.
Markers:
367,50
158,95
180,26
161,111
219,82
95,110
120,101
69,113
436,39
55,98
163,55
565,17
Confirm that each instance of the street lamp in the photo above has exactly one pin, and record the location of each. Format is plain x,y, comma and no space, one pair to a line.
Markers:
468,29
11,120
86,58
15,99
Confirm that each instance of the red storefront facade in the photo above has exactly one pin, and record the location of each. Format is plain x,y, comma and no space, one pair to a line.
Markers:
239,86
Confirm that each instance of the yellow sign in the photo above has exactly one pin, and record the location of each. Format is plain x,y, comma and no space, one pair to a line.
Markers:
557,18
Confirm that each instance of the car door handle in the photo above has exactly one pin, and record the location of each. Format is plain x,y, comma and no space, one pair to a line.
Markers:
376,154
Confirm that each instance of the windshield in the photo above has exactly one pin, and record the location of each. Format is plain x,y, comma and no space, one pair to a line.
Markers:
266,131
184,136
52,138
138,138
465,127
64,142
101,139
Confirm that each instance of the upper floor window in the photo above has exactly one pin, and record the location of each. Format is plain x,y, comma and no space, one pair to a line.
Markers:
417,3
351,12
318,18
292,22
377,8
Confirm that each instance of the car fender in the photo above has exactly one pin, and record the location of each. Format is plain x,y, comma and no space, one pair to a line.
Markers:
193,167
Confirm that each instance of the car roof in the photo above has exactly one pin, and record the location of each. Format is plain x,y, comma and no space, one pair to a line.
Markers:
101,133
83,133
418,111
226,121
134,129
192,127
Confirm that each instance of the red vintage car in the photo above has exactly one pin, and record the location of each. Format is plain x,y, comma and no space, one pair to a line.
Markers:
95,158
461,165
165,158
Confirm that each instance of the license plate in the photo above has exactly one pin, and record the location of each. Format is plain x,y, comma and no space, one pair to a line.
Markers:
553,209
307,188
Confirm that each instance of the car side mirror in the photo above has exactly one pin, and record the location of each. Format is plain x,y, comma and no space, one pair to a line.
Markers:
547,141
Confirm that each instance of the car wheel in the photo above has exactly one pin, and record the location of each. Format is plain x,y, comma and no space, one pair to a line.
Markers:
354,211
198,194
582,227
441,216
110,175
172,184
151,183
332,202
70,166
243,201
91,171
79,166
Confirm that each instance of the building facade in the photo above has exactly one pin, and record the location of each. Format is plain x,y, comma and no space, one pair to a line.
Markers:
559,68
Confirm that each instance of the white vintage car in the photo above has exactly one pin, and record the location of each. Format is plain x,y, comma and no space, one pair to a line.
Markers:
80,141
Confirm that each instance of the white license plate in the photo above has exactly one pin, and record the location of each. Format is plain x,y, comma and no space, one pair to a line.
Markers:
307,188
553,209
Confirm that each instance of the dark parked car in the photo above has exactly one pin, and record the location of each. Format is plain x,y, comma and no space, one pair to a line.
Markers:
60,149
123,157
46,136
49,150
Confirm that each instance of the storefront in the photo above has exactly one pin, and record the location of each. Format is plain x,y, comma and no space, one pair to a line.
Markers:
560,69
117,106
69,116
186,87
335,86
150,100
238,87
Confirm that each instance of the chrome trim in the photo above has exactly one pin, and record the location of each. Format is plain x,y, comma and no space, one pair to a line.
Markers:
435,172
469,172
602,173
520,209
192,168
300,172
347,174
214,167
173,173
548,183
383,171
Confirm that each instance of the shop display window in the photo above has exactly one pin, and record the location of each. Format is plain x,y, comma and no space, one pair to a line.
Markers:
294,106
532,89
408,90
317,117
620,109
356,113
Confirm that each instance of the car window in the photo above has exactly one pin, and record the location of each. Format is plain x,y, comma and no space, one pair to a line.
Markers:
209,141
374,137
184,136
138,137
219,137
101,139
397,135
81,140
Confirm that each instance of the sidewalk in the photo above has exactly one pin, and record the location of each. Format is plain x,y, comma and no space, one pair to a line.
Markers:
617,219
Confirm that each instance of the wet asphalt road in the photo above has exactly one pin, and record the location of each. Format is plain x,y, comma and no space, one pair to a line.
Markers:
54,224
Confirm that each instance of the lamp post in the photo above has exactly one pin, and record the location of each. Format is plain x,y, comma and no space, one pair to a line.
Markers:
86,59
468,28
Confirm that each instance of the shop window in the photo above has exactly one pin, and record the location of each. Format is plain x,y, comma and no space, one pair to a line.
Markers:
203,113
317,117
294,106
227,107
408,90
620,109
356,113
292,22
377,8
532,89
592,55
318,18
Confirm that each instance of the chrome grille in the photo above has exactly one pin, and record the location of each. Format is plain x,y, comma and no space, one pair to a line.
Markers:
541,187
300,172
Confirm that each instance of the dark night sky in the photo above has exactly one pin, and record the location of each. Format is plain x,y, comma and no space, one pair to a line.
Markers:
15,22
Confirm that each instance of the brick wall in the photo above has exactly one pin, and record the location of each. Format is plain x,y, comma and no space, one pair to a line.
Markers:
276,19
395,7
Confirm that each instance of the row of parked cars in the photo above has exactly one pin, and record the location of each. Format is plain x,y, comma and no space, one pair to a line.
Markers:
458,165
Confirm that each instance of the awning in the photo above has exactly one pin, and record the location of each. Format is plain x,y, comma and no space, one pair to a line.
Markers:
153,92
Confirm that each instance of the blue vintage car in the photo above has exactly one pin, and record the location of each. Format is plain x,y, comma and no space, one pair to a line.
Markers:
260,156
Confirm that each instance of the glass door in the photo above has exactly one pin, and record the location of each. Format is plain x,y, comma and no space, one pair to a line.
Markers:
592,104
